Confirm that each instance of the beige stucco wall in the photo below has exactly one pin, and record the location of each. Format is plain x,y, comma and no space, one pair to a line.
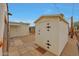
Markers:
3,15
19,30
56,41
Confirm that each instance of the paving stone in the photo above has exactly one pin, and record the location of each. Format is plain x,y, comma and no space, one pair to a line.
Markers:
14,53
18,43
71,48
25,46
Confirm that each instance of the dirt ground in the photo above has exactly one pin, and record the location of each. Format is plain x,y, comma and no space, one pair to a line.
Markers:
25,46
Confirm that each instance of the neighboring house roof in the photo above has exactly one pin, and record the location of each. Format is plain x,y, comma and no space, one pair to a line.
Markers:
17,23
61,16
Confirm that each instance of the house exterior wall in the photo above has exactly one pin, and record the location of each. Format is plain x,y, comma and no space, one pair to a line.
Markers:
3,28
53,35
20,30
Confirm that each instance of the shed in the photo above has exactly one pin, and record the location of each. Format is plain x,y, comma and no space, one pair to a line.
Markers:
32,29
51,33
18,29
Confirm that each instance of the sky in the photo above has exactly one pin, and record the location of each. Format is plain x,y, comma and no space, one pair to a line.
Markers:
30,12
